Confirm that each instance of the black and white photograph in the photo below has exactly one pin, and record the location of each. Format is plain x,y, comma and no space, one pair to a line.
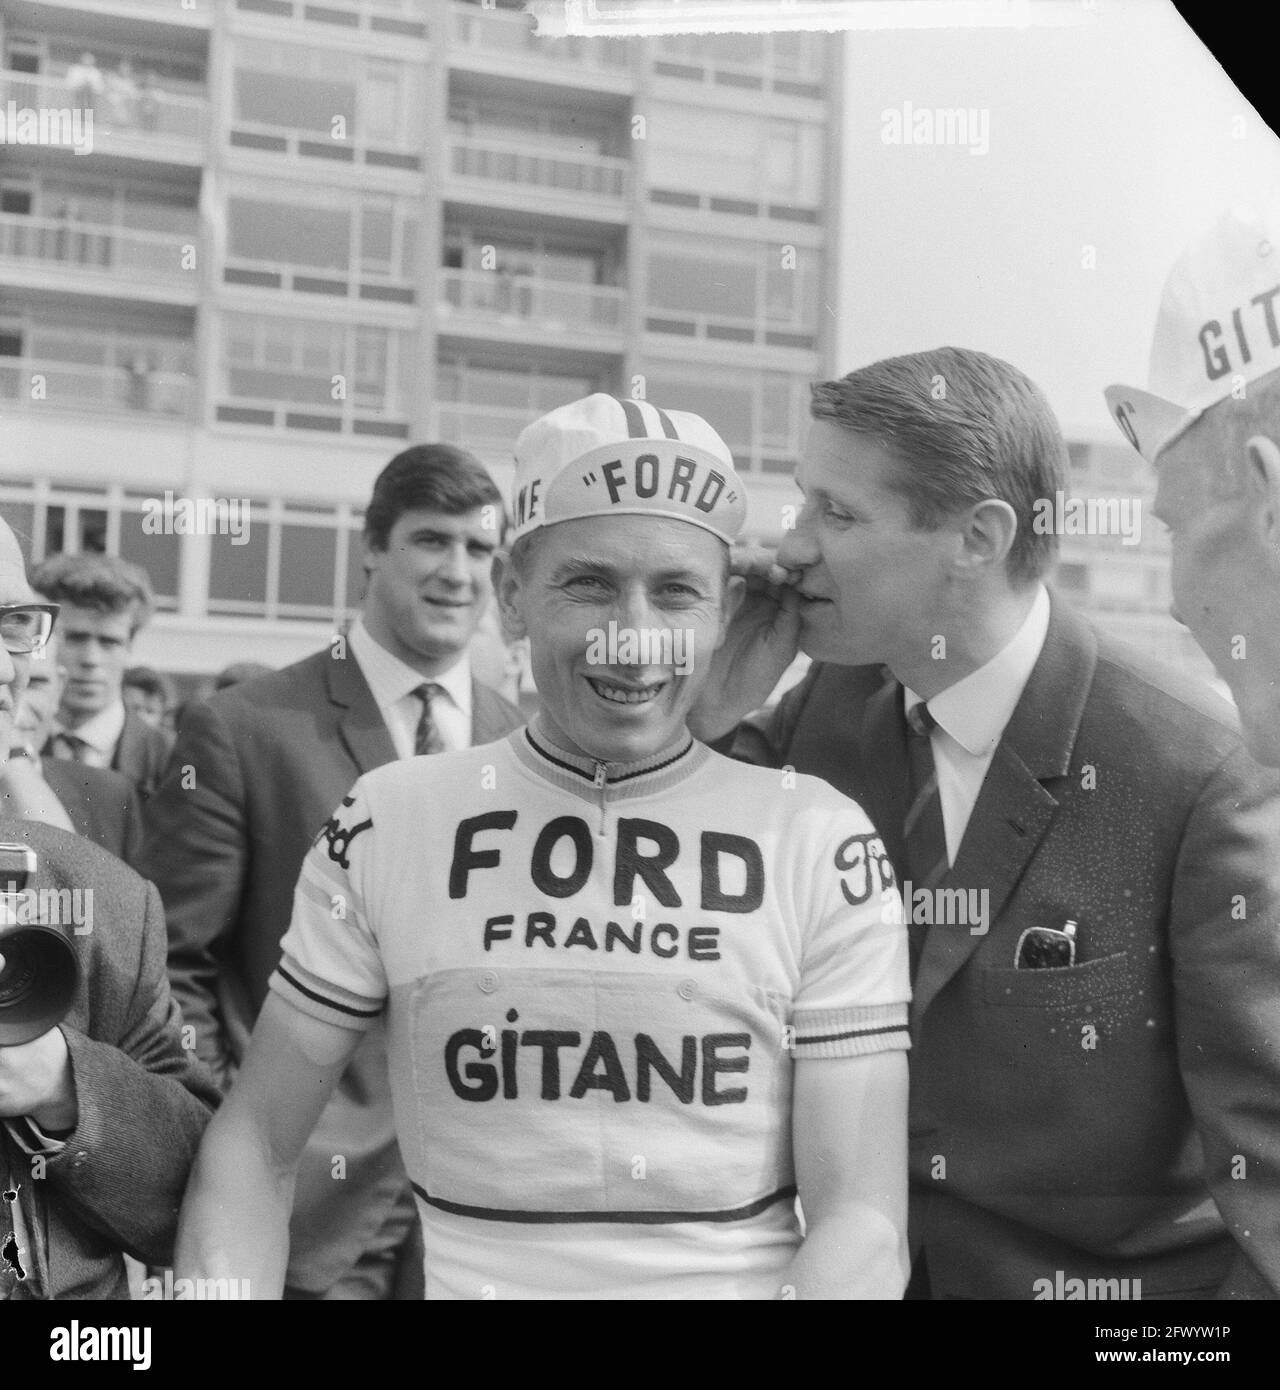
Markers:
639,662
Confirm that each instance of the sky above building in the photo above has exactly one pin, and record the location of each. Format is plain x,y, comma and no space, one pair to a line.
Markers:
1040,225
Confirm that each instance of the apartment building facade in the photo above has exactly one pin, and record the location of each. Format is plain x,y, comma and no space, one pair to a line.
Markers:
310,233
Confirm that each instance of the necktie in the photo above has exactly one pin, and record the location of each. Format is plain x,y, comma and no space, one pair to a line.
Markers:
69,748
924,829
427,738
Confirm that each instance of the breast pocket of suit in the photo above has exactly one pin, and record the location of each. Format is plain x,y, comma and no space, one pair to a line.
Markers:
1067,987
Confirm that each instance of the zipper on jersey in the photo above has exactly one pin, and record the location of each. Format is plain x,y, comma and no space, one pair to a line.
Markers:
601,783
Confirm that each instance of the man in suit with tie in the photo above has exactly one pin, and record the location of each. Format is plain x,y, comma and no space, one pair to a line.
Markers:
256,772
99,803
1094,903
106,602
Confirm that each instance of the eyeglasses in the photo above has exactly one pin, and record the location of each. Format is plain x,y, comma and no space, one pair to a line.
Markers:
1046,948
26,627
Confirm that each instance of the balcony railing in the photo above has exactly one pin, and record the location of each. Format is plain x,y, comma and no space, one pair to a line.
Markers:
311,144
76,386
403,18
509,33
370,286
92,247
724,328
151,114
524,299
561,171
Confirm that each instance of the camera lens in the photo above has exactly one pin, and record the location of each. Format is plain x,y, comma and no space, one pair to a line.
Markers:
18,974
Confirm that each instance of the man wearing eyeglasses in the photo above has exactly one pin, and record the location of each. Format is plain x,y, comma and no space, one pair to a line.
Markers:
100,1114
1089,856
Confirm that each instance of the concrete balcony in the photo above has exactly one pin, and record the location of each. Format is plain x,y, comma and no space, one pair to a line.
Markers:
503,43
308,148
396,19
351,285
74,257
136,390
490,304
560,182
155,125
194,14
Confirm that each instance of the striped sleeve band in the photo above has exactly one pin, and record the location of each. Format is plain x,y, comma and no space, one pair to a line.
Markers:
321,998
851,1032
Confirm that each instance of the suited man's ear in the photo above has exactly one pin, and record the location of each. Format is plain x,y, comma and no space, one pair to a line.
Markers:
987,535
1262,482
507,585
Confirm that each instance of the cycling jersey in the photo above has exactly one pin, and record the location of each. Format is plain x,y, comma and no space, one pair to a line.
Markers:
597,978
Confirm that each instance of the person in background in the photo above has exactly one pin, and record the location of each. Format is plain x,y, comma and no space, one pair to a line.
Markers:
239,672
107,1105
1211,426
105,603
271,757
86,82
96,802
149,694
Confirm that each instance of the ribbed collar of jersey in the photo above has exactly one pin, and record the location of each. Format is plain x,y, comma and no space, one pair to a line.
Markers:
578,774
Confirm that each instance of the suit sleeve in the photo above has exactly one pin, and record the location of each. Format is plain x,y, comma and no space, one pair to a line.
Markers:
764,737
1225,939
195,850
143,1104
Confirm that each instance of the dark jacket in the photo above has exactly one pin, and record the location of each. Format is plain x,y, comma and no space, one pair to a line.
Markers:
256,772
143,1099
1080,1119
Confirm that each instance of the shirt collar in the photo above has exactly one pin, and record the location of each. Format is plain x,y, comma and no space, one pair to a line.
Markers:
975,710
391,679
665,767
100,731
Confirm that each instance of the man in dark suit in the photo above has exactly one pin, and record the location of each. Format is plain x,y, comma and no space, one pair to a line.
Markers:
257,771
1088,855
100,804
105,604
100,1115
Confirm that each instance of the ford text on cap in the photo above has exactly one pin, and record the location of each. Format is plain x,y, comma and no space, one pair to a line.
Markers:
1218,328
602,456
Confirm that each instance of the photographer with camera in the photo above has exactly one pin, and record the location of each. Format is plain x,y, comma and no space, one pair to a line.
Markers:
101,1108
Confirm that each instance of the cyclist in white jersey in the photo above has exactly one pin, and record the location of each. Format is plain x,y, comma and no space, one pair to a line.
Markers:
639,997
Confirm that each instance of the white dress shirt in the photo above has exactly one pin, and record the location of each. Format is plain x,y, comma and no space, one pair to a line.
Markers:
971,716
99,734
393,682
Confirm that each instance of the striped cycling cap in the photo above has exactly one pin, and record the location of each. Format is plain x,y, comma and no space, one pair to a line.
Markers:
603,456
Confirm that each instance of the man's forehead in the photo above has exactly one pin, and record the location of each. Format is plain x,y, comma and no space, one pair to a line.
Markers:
631,542
472,523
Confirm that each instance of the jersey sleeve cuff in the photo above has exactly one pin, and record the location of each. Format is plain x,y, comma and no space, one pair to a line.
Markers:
852,1032
323,999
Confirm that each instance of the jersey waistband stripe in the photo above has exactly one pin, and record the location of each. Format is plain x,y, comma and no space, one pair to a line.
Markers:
325,1000
628,1218
852,1033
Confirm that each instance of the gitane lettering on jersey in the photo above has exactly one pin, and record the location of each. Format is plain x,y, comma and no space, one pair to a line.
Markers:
545,1059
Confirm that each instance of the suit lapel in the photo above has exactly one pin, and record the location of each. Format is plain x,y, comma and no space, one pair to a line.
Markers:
361,725
1016,803
128,757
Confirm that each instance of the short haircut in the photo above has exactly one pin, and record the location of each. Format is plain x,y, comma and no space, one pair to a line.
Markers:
150,682
430,477
104,583
965,427
1224,429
